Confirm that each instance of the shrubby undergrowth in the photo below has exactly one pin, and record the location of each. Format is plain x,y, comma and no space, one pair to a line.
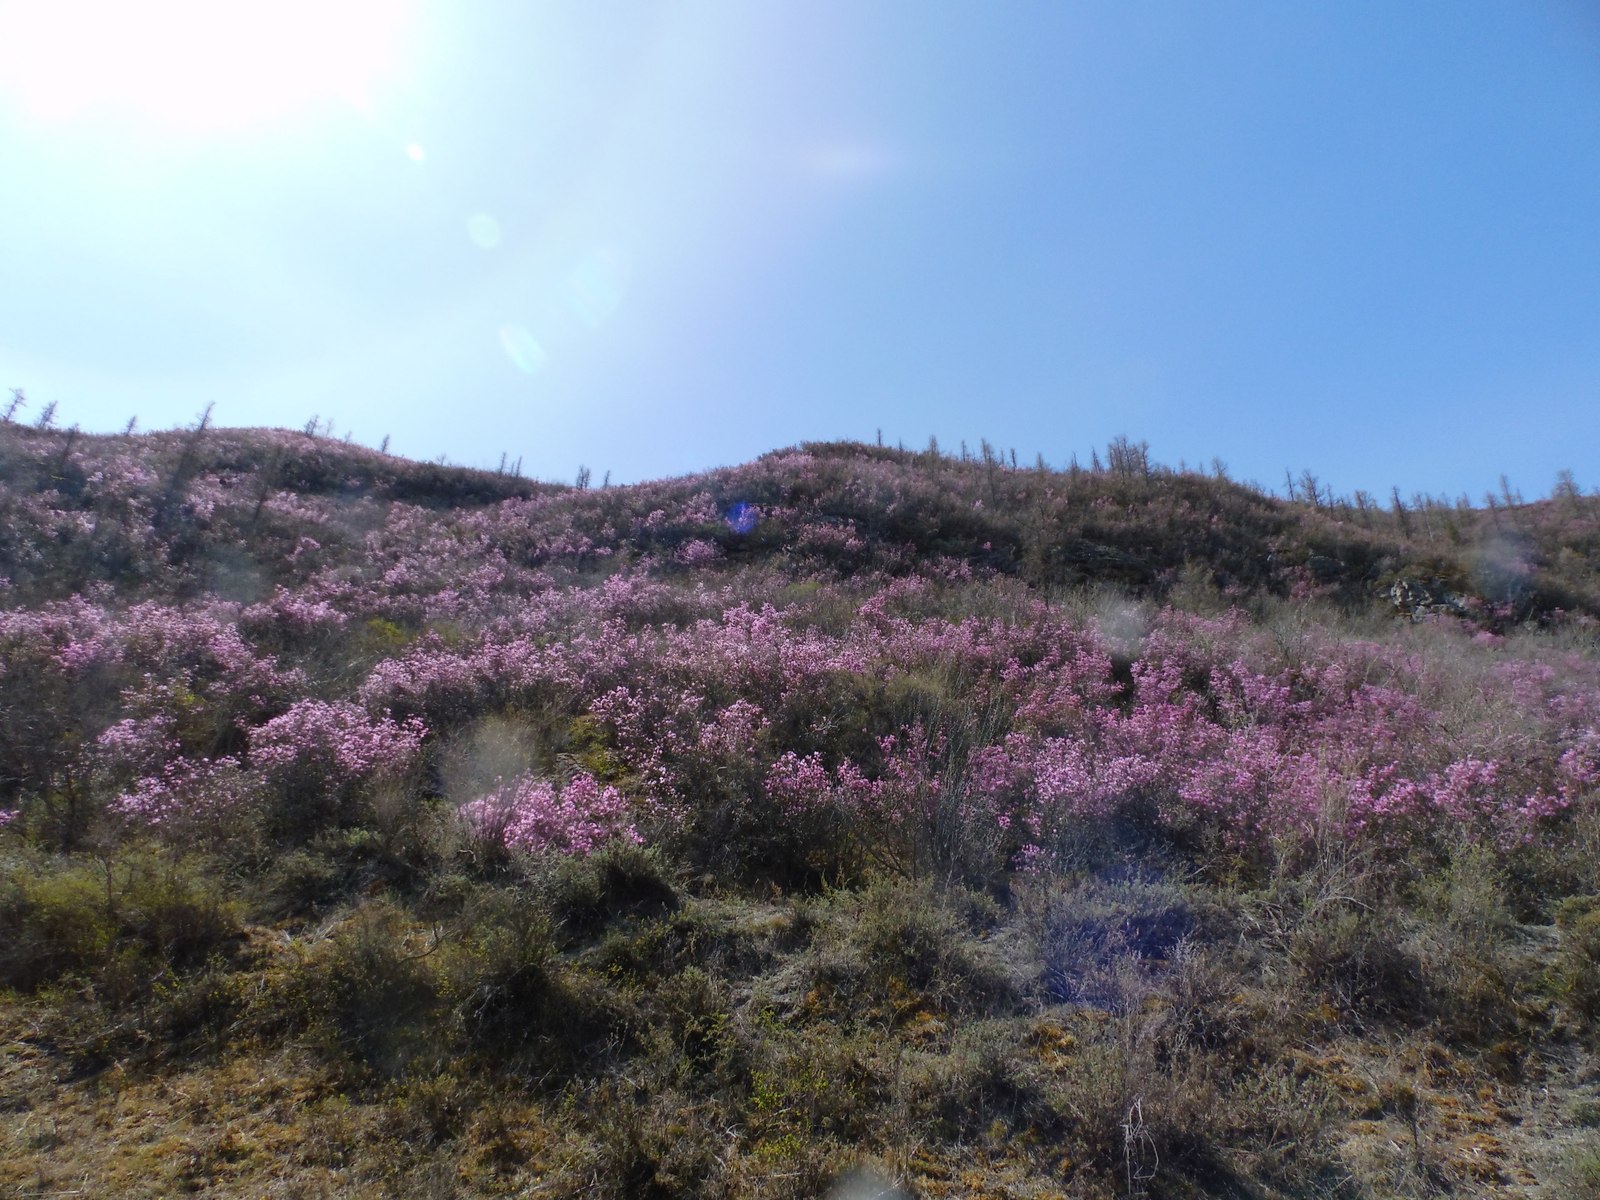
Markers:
853,804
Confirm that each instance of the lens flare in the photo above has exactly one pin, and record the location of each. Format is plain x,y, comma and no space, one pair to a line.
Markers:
742,517
862,1184
416,153
523,349
483,231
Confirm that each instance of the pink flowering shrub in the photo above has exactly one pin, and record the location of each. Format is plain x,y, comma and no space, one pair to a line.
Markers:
915,812
533,816
1578,769
293,619
317,756
337,739
138,746
697,552
823,808
83,666
189,798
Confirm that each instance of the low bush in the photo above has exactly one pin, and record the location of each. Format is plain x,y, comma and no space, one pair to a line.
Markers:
1104,940
368,994
516,1006
584,894
900,948
1577,968
61,917
1580,1170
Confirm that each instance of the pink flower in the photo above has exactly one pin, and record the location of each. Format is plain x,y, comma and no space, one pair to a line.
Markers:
186,793
532,816
697,553
338,739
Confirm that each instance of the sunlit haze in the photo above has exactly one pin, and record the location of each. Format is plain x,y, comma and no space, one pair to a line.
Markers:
192,65
652,238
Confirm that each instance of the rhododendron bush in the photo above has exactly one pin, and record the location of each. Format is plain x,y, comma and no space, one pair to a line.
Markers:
532,815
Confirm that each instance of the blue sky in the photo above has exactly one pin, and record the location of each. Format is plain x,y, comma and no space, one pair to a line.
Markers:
653,238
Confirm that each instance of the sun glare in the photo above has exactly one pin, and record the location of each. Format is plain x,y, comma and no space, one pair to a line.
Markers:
193,65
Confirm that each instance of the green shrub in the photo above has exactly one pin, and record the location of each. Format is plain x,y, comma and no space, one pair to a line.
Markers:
500,971
1577,969
1461,946
515,1006
328,869
60,917
990,1074
52,921
303,881
199,1007
901,947
820,1082
1580,1172
429,1109
369,993
583,895
696,1032
1357,958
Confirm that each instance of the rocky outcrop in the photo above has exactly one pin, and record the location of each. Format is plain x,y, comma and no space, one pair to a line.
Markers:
1418,599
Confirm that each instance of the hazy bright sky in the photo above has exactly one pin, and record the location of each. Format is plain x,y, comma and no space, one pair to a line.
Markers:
1362,238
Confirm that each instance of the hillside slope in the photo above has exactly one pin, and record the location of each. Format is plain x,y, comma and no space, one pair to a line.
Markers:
371,827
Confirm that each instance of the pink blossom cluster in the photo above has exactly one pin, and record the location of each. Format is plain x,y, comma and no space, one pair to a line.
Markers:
187,794
338,742
532,815
139,745
292,616
805,786
697,552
